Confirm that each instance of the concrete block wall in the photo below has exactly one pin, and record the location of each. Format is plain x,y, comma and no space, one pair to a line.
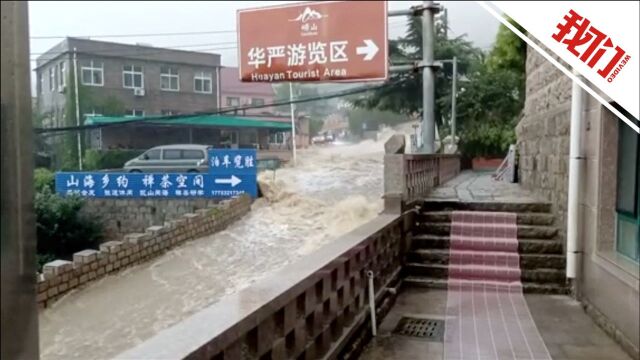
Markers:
543,134
123,216
60,276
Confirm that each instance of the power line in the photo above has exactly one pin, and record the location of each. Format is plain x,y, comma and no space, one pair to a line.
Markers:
154,51
358,90
154,48
134,35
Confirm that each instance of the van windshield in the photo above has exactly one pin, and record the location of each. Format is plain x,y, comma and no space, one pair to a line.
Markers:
152,155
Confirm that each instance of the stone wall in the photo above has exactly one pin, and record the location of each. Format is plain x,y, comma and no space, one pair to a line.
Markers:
60,276
123,216
543,134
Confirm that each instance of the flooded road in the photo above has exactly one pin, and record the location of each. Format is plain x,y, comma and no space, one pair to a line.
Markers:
331,191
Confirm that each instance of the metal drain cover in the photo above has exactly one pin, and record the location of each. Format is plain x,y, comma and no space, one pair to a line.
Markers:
427,329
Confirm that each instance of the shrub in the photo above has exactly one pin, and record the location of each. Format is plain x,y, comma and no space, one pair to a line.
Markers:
108,159
43,178
61,228
43,259
484,139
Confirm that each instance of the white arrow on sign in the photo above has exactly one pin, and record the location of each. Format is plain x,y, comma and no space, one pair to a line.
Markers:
369,50
233,181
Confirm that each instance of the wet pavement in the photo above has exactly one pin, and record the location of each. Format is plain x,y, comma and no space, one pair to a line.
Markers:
567,331
480,186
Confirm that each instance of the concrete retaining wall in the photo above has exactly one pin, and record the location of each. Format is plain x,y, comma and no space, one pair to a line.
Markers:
123,216
60,276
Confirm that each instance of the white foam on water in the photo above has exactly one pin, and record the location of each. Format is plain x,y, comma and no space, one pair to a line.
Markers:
331,191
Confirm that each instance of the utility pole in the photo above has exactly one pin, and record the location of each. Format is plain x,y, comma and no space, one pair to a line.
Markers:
293,122
454,95
428,79
445,22
77,101
19,324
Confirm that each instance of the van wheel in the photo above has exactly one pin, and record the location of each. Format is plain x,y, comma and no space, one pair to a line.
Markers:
135,171
192,171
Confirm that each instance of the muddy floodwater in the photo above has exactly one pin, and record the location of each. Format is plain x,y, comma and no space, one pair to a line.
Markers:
332,190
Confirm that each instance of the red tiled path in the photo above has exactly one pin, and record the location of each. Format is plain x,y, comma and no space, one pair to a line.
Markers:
487,316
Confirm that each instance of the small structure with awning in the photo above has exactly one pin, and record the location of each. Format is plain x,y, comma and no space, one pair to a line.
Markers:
221,131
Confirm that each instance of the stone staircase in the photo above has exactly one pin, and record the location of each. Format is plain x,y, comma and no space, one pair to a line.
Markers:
542,258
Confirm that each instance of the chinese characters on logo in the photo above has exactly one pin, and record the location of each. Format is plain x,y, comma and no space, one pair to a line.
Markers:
594,45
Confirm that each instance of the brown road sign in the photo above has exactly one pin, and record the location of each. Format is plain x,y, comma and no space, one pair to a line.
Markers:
314,41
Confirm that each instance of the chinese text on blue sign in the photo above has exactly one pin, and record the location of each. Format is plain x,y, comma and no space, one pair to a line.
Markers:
231,173
234,172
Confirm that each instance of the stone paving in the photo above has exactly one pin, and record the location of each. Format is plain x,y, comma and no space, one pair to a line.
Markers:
567,331
480,186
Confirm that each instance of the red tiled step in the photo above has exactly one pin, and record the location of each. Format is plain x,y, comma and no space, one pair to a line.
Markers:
483,272
523,231
537,218
528,287
488,258
527,261
441,271
525,246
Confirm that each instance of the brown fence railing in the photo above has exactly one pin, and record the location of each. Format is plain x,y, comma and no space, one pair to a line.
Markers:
408,177
316,308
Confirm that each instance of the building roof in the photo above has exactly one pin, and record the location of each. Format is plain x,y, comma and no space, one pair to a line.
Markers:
230,84
128,51
192,120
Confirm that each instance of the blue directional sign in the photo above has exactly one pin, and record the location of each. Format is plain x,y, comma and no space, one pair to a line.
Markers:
170,185
129,185
234,172
231,173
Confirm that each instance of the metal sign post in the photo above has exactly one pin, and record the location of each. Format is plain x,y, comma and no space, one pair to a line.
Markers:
428,81
293,122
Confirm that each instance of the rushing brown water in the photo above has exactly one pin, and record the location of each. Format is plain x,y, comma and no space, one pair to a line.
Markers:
331,191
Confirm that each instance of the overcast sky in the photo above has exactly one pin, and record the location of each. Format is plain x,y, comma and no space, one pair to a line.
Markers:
79,18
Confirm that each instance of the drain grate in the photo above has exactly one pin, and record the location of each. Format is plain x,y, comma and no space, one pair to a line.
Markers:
427,329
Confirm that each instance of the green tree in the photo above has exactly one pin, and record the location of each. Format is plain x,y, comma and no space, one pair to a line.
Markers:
89,103
372,119
405,94
509,51
490,87
315,109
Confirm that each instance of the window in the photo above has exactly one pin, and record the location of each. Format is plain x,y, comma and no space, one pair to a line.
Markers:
257,101
192,154
169,79
92,74
41,89
132,77
171,154
628,194
134,112
152,155
202,82
276,138
168,112
62,75
228,137
52,79
233,101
